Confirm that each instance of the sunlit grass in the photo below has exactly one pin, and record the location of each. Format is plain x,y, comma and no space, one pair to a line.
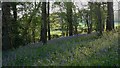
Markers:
58,32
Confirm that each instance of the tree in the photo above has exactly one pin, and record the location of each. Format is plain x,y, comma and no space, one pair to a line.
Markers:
48,21
110,16
34,25
104,14
62,15
99,18
0,23
75,23
88,22
119,12
32,14
6,20
69,13
14,25
69,17
44,23
75,19
90,18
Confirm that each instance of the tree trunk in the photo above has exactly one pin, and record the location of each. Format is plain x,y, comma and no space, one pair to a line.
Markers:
14,25
33,33
6,20
88,23
69,18
33,29
66,30
90,17
14,11
76,32
75,23
61,21
110,17
119,12
44,23
48,19
1,23
99,19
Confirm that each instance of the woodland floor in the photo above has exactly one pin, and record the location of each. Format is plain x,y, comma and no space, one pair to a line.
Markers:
77,50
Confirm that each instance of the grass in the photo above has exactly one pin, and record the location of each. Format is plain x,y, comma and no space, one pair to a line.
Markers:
81,51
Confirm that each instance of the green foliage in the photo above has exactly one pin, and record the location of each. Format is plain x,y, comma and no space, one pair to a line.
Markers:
88,50
79,50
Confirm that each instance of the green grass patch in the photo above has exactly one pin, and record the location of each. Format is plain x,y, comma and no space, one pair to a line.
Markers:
83,51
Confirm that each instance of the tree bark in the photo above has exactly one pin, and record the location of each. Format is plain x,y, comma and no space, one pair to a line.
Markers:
14,25
110,16
44,23
76,23
1,24
76,32
69,18
99,19
34,26
90,17
67,30
48,19
6,20
88,23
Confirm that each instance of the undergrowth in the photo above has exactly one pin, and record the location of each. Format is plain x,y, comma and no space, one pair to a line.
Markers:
88,50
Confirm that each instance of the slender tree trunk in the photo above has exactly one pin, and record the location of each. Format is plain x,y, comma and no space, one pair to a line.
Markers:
41,33
76,23
33,29
0,23
61,21
88,24
99,19
90,17
76,32
48,19
110,17
44,23
119,12
69,18
104,20
67,30
88,28
6,20
33,33
15,11
14,25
